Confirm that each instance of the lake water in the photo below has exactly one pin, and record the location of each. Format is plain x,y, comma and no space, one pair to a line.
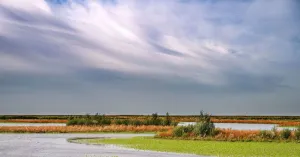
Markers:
56,145
239,126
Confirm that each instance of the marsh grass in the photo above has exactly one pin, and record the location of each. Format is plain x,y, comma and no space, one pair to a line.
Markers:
83,129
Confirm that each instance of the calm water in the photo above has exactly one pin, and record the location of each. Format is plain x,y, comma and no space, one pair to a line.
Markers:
56,145
238,126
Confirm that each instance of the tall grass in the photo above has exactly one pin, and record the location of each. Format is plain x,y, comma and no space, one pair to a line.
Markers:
234,135
83,129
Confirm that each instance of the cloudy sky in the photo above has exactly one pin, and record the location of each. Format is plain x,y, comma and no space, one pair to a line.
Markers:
140,57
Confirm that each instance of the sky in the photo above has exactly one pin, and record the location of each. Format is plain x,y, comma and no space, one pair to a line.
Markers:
140,57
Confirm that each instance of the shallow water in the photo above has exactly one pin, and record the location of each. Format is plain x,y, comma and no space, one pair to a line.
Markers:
239,126
32,124
56,145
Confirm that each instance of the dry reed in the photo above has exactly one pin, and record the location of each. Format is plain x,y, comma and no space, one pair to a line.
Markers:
78,129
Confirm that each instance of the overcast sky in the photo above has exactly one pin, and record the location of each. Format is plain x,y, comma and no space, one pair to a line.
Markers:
145,56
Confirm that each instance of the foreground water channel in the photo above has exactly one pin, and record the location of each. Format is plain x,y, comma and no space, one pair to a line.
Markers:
56,145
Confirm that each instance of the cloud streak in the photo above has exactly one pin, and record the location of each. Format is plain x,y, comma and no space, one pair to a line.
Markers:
205,44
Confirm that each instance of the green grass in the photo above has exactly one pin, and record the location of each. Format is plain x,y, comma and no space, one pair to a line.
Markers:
215,148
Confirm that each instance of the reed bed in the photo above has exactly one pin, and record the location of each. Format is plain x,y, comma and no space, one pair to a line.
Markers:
82,129
236,135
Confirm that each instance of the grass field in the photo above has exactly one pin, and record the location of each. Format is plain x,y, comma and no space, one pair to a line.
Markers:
215,148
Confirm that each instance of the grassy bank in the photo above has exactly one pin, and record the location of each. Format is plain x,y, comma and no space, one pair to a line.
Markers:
215,148
82,129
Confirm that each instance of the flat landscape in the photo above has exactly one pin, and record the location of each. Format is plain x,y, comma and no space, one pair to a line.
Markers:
149,78
122,135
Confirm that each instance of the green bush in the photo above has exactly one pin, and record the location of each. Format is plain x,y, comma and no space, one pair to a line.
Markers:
103,120
72,122
174,123
167,121
118,122
80,122
267,134
155,120
188,129
3,117
285,133
125,122
297,133
178,131
136,122
204,129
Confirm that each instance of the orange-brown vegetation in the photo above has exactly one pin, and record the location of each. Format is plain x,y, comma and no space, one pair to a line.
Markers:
78,129
234,135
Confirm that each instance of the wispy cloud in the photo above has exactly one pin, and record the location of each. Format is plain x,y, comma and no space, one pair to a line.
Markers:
230,45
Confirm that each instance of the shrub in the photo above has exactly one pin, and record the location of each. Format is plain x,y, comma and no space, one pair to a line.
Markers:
188,129
178,131
285,133
167,120
72,122
174,123
105,121
155,120
125,122
267,134
204,129
80,122
136,122
183,130
118,122
88,122
3,117
216,132
297,133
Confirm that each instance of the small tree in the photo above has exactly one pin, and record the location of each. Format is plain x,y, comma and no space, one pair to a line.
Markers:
155,120
205,127
168,120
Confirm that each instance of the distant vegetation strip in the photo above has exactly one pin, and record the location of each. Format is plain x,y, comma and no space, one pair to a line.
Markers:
82,129
176,117
104,120
146,119
280,123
